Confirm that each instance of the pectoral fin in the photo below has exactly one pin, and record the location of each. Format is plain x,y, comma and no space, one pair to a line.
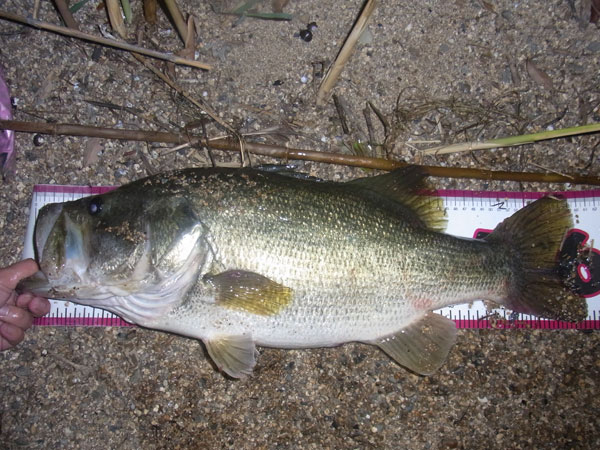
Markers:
422,346
250,292
234,355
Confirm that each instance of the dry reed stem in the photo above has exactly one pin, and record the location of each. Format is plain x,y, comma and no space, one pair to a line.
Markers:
290,153
178,18
344,55
113,7
104,41
66,15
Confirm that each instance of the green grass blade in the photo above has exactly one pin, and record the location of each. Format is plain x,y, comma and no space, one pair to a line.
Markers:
126,10
77,6
513,141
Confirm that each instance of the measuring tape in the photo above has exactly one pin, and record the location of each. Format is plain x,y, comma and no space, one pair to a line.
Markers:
470,214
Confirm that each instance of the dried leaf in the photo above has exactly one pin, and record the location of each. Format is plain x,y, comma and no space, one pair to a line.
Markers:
93,146
488,6
48,86
538,75
116,19
189,50
150,11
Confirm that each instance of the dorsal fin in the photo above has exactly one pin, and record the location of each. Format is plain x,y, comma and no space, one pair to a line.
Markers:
403,186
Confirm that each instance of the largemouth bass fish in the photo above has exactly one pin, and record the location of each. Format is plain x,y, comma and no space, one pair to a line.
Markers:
241,257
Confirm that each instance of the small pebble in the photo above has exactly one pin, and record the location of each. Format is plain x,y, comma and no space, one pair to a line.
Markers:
38,140
306,35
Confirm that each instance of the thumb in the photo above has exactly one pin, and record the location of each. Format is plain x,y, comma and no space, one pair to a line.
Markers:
11,275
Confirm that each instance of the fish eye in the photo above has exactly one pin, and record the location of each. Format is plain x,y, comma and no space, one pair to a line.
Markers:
95,206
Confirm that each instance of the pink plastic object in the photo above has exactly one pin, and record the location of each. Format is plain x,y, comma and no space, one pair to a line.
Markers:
7,137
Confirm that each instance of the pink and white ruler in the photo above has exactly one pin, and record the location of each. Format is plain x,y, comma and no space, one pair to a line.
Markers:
470,214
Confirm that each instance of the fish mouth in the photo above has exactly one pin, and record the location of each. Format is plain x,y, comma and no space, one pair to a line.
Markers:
44,225
61,253
36,284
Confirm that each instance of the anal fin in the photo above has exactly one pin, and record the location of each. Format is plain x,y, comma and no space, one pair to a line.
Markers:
234,355
422,346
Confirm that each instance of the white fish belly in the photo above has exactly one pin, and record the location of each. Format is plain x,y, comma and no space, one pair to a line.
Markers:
308,323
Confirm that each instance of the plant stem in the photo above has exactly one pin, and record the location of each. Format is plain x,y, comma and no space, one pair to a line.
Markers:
289,153
513,141
177,17
344,55
113,7
66,15
100,40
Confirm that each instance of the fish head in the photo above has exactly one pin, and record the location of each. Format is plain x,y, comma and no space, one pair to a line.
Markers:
118,251
95,241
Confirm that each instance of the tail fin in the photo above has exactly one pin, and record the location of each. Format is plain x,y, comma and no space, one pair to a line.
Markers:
533,237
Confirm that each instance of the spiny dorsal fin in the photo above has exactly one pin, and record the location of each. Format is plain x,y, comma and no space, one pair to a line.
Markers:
422,346
250,292
234,355
402,186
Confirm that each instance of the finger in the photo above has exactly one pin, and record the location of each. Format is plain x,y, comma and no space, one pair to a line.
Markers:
11,275
7,296
16,316
4,344
10,335
24,300
39,306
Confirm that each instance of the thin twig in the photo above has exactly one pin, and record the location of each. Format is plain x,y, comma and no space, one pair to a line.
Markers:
344,55
592,154
545,168
381,117
36,9
339,107
198,103
208,152
367,115
290,153
104,41
177,17
66,15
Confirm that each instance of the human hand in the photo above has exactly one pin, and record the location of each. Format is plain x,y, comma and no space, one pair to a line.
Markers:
17,311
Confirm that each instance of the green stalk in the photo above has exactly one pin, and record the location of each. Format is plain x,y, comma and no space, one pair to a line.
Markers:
513,141
126,10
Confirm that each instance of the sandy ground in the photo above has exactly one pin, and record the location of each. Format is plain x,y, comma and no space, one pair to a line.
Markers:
439,72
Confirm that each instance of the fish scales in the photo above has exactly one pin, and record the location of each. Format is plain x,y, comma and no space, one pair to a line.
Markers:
243,257
355,269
